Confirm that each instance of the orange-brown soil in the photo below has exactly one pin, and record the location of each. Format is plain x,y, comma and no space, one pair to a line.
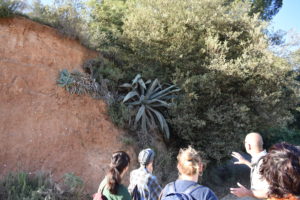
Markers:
43,127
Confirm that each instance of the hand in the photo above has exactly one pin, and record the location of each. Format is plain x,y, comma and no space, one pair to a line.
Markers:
241,191
240,158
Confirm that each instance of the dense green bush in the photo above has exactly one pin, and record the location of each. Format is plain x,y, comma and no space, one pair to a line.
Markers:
218,54
79,83
67,16
105,68
40,186
275,135
9,8
119,114
105,22
215,52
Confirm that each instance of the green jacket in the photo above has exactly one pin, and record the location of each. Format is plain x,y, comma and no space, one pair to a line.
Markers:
122,193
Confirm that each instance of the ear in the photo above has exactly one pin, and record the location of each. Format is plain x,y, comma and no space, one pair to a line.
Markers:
249,146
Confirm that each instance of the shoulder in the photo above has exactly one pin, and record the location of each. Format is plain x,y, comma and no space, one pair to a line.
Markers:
165,190
138,172
204,193
123,191
102,184
134,171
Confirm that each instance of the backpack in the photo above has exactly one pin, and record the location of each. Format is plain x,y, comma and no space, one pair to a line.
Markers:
136,194
100,195
185,195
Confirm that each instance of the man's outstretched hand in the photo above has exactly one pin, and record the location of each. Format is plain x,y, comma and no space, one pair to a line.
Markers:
241,191
240,158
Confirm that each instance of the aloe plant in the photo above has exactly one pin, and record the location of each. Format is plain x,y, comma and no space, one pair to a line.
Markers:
147,100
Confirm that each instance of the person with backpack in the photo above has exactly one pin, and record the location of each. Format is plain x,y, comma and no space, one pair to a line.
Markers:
186,187
111,188
143,184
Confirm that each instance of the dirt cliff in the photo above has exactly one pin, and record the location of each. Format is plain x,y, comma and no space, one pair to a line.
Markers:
42,127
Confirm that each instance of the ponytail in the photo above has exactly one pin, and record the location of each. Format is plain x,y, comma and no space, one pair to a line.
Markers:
119,161
113,180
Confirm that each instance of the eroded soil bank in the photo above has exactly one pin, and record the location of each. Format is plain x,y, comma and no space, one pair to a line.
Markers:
42,127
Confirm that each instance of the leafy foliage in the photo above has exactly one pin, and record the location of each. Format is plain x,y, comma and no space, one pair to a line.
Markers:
147,100
9,8
213,50
66,16
40,186
218,55
78,83
275,135
106,22
266,8
119,114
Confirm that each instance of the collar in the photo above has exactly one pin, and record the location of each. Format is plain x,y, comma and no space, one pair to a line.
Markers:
256,157
143,168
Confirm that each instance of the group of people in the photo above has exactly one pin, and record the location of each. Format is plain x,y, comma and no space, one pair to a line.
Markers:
274,175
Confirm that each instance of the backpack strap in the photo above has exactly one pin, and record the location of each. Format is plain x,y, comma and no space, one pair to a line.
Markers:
192,188
172,188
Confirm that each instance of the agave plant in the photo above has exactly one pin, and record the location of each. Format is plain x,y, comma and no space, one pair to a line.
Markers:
147,100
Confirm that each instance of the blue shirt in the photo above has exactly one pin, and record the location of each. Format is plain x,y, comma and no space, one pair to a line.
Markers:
202,193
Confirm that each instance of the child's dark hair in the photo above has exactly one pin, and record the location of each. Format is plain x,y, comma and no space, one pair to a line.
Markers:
119,161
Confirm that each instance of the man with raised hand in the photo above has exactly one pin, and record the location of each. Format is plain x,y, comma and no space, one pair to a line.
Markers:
143,184
259,186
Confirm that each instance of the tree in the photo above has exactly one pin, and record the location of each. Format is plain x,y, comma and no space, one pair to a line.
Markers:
105,21
65,15
218,55
267,9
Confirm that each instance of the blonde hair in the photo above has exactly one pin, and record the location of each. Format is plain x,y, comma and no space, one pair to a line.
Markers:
188,161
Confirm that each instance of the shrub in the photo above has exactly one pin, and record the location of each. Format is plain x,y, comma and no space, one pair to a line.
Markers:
275,135
40,186
104,68
119,114
148,100
64,15
82,83
9,8
218,55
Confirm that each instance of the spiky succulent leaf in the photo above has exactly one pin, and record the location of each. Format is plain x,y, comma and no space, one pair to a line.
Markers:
136,79
145,100
168,90
126,85
162,121
139,114
142,83
152,88
130,95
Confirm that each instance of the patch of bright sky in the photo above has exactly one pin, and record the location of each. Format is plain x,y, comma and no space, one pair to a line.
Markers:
288,20
288,17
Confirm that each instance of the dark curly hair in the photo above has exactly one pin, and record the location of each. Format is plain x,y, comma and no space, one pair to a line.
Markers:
281,168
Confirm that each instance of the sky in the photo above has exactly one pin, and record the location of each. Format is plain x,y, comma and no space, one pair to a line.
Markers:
288,17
